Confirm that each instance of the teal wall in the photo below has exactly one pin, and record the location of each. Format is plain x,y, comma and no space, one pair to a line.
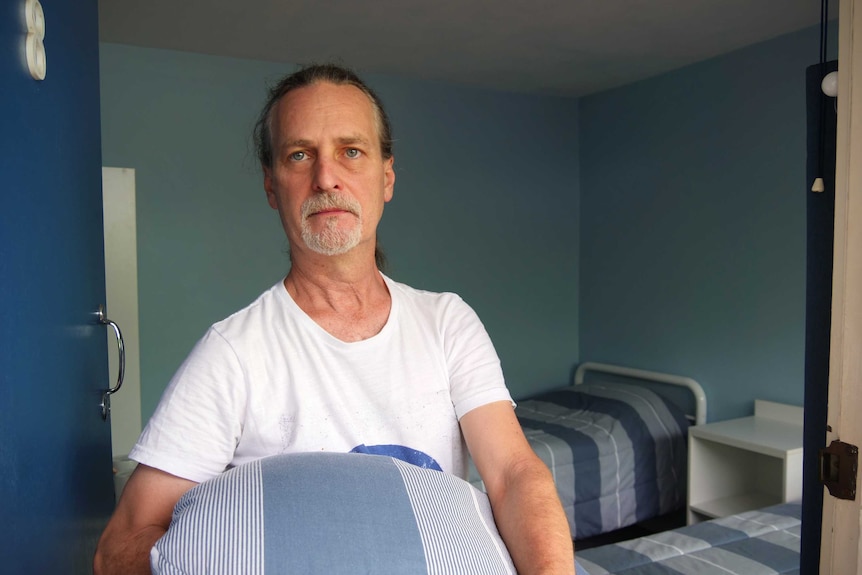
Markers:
486,205
659,225
693,199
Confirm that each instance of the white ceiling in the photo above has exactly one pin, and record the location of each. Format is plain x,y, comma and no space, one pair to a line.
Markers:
562,47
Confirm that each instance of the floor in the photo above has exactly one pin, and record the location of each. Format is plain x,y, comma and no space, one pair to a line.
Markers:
657,525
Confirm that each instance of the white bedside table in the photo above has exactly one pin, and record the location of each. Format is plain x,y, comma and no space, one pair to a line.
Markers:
745,463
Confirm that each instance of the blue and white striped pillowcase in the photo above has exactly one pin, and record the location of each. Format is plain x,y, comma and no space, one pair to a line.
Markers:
333,513
219,528
441,501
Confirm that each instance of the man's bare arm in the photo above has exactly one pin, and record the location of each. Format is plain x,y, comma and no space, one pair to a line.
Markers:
526,506
143,515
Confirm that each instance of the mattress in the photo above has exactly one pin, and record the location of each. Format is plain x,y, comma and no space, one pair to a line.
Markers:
760,542
617,453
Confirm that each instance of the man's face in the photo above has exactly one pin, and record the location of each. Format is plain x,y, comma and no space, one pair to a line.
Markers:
328,180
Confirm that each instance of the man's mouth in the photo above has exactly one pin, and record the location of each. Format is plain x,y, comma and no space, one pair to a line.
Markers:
330,205
332,211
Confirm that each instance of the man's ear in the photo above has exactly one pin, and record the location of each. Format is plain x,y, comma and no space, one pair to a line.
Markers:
388,178
267,186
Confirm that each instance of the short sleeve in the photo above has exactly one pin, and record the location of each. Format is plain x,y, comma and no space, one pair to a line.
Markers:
475,374
197,425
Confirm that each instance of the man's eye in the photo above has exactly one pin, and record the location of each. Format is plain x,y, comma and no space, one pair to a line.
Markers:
352,153
297,156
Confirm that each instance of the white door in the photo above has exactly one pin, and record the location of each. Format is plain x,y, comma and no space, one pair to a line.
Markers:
121,285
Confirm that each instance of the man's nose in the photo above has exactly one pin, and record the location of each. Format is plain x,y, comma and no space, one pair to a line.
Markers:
325,174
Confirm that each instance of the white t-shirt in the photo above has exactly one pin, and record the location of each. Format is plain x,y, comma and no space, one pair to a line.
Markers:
269,380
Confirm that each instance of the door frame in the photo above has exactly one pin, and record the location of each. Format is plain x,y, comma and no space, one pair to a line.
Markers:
839,554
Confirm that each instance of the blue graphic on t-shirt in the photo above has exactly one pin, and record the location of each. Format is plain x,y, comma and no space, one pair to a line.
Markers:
410,455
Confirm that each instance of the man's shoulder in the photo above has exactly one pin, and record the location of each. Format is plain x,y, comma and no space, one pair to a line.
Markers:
260,309
443,304
420,295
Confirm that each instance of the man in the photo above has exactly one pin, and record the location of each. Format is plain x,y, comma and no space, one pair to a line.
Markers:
338,356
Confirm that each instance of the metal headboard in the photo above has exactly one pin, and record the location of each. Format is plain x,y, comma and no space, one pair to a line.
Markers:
692,385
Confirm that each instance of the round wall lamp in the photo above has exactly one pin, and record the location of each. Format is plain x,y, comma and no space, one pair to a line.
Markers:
829,85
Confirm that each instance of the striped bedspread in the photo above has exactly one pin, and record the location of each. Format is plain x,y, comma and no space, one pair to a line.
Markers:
758,542
617,453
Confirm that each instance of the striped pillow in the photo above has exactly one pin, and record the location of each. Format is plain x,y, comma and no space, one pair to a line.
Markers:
332,513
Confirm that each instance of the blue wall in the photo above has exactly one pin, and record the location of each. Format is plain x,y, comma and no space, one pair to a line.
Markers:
486,205
693,199
659,225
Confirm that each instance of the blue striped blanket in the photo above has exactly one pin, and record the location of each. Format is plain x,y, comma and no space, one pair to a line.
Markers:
760,542
617,452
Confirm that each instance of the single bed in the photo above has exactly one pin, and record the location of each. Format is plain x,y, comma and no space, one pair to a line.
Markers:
615,442
760,542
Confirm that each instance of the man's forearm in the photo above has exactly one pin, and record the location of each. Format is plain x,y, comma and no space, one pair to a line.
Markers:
533,525
126,557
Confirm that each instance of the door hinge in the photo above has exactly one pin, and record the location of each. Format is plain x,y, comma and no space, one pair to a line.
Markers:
838,466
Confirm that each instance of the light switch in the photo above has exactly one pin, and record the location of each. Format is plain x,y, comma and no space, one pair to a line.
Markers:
35,48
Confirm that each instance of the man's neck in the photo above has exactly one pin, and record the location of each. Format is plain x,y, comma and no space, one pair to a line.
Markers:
349,300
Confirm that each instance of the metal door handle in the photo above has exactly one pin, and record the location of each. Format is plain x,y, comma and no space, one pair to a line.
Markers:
106,395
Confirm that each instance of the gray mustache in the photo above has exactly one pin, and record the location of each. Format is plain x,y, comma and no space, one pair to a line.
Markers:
329,200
